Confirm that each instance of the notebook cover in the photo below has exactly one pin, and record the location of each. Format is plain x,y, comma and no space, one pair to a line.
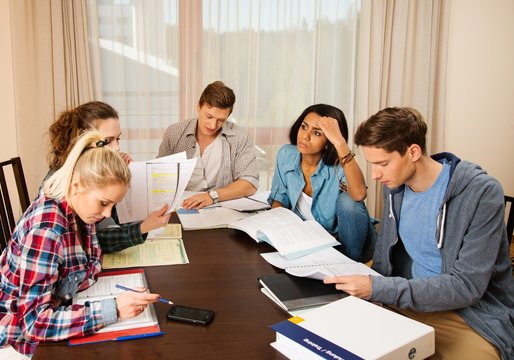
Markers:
299,292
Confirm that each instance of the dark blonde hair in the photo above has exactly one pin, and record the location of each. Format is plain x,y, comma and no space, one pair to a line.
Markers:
218,95
70,124
393,129
93,162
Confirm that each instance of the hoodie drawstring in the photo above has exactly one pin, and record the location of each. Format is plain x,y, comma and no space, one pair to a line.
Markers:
441,228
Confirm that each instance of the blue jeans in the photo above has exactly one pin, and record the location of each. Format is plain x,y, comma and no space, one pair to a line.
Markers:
355,229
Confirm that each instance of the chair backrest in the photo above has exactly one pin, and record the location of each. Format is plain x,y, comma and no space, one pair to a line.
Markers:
7,219
510,216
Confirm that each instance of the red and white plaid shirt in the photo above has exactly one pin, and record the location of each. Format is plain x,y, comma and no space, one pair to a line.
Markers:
44,250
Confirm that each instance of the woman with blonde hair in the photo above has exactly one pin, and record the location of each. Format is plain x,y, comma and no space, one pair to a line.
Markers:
54,253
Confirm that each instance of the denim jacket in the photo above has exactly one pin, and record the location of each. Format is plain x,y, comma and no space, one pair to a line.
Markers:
288,184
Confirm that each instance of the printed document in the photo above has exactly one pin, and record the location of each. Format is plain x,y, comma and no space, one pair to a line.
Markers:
155,183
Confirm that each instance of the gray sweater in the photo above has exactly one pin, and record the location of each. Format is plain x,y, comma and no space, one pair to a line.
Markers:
476,279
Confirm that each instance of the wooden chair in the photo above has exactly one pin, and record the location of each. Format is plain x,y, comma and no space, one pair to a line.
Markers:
7,219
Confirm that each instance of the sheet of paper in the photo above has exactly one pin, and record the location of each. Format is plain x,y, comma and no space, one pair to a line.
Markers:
154,183
328,270
325,256
151,253
209,218
258,201
170,231
272,218
162,181
319,265
186,170
295,241
105,287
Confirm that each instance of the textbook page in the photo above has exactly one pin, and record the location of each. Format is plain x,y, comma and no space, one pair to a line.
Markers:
155,252
296,240
325,263
170,231
105,288
267,219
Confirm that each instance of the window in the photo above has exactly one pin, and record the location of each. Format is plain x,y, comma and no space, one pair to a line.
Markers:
153,59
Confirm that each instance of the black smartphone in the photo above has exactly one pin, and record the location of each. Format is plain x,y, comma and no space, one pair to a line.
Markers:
189,314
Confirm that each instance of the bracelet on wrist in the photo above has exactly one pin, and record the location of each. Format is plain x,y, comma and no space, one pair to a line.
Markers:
347,158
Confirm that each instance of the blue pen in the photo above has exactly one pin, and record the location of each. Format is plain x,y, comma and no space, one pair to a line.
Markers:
166,301
139,336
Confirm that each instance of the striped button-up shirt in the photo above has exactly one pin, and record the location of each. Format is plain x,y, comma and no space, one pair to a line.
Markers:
42,260
238,159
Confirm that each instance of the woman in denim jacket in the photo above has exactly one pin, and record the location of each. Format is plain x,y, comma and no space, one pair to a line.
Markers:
317,177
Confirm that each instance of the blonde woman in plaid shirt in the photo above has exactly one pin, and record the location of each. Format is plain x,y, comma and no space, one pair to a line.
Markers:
54,253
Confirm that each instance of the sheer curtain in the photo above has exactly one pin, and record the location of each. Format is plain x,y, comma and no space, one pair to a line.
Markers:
51,73
155,57
402,62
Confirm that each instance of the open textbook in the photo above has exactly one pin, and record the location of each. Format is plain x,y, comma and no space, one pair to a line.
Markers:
286,232
325,263
155,183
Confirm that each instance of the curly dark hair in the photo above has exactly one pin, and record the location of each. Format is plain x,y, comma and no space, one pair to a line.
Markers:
70,124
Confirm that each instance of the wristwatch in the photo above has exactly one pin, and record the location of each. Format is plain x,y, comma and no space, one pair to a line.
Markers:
215,196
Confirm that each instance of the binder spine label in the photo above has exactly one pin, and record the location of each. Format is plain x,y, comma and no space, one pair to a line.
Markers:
313,342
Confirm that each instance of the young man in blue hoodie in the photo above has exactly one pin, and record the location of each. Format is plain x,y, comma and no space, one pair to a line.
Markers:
443,249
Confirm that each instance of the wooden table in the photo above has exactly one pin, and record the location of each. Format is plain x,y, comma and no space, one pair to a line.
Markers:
222,276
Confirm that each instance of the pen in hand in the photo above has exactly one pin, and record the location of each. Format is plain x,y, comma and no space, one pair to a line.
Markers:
166,301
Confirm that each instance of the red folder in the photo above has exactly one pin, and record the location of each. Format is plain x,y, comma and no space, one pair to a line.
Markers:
116,334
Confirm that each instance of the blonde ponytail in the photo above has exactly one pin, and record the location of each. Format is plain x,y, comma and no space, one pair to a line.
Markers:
93,162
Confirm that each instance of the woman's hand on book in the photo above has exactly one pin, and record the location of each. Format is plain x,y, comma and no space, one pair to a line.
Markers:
130,303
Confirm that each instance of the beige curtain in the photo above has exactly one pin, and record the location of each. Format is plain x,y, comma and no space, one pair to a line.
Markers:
402,62
51,73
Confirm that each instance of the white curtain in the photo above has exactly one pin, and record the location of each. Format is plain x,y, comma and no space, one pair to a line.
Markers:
402,62
155,57
51,73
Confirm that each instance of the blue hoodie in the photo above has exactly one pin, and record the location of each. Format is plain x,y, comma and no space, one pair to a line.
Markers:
476,279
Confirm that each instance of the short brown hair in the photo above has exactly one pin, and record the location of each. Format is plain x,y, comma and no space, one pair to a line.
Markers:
393,129
218,95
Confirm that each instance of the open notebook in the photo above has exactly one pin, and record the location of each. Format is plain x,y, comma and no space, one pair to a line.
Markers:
105,287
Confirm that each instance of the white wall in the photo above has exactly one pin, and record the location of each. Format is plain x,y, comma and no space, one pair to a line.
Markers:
8,147
480,89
